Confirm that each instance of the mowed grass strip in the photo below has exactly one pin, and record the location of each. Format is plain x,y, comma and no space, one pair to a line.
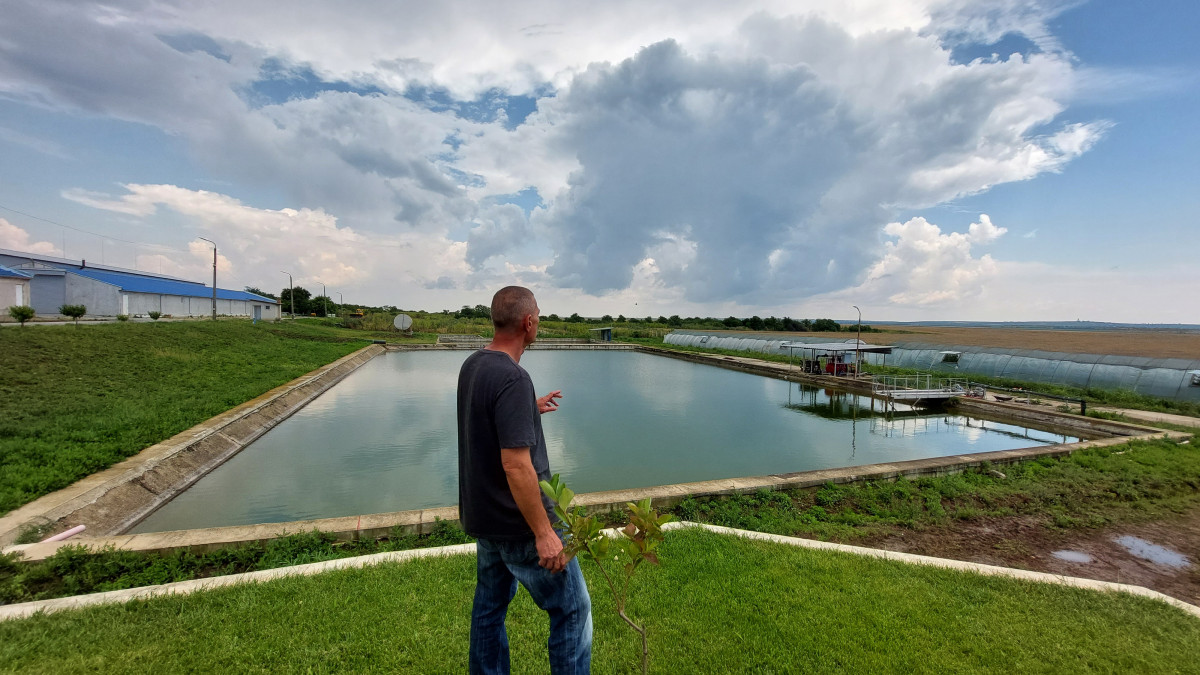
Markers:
77,400
717,604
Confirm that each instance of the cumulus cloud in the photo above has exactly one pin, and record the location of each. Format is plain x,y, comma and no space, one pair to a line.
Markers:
923,266
715,154
782,163
472,47
988,22
253,242
16,238
133,205
496,230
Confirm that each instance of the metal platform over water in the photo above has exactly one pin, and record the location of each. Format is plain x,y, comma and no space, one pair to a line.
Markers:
918,388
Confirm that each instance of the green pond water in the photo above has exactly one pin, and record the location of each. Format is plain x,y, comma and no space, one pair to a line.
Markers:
384,438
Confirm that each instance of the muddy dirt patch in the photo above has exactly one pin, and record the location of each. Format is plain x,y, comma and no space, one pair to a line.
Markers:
1163,555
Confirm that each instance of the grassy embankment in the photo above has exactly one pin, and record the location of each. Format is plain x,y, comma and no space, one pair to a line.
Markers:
716,604
78,400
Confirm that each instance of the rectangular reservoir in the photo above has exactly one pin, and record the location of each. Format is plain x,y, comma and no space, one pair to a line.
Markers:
384,438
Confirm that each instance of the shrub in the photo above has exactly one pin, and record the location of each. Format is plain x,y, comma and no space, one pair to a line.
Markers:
21,313
154,315
637,543
688,509
122,317
378,321
73,311
828,495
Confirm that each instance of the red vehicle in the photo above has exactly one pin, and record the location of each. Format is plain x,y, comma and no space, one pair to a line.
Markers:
837,368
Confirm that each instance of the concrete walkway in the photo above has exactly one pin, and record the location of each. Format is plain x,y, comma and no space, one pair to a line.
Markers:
27,609
1149,416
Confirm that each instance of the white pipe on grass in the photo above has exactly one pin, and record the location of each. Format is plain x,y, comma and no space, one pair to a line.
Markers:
65,535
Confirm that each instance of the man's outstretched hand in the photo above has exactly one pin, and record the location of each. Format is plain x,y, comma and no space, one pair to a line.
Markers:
548,404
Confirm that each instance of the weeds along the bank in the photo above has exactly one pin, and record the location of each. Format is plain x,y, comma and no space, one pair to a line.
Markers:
1133,482
74,570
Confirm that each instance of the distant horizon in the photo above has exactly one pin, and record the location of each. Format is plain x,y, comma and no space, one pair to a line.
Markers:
1065,324
1061,325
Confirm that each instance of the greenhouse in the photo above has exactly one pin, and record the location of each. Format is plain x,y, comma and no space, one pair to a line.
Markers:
1175,379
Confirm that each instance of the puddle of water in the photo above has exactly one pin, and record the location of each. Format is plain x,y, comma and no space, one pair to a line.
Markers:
1073,556
1153,552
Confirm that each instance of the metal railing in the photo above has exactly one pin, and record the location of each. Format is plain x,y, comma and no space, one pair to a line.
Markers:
889,385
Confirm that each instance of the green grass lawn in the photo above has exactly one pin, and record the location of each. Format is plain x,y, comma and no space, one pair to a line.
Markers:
78,400
717,604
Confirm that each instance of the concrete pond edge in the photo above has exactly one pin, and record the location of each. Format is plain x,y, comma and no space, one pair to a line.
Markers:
28,609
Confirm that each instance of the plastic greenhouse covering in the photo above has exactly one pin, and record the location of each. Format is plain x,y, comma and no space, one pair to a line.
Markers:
1164,378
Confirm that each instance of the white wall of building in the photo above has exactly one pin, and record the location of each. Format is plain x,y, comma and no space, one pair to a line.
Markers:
101,299
13,292
140,304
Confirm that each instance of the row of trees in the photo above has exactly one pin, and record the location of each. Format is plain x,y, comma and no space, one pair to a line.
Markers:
319,305
753,323
306,302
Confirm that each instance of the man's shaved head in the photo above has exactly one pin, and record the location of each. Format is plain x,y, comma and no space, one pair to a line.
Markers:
510,305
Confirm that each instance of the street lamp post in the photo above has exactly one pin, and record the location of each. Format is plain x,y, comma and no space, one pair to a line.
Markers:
858,343
324,300
214,303
291,291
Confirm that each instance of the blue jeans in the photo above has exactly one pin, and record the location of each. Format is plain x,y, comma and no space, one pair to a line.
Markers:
564,596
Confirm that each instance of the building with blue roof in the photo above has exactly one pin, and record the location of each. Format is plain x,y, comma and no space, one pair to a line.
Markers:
109,291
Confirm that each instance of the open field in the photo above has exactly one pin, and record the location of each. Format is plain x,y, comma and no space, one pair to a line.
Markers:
1151,344
716,604
1147,343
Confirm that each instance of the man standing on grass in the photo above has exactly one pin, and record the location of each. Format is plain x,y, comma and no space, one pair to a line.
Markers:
501,458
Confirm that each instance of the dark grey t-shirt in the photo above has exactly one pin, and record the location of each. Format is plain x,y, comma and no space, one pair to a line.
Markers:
497,408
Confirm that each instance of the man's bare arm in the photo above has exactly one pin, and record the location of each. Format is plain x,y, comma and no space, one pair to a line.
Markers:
523,481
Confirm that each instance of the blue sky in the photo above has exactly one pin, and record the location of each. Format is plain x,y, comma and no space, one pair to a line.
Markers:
922,159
